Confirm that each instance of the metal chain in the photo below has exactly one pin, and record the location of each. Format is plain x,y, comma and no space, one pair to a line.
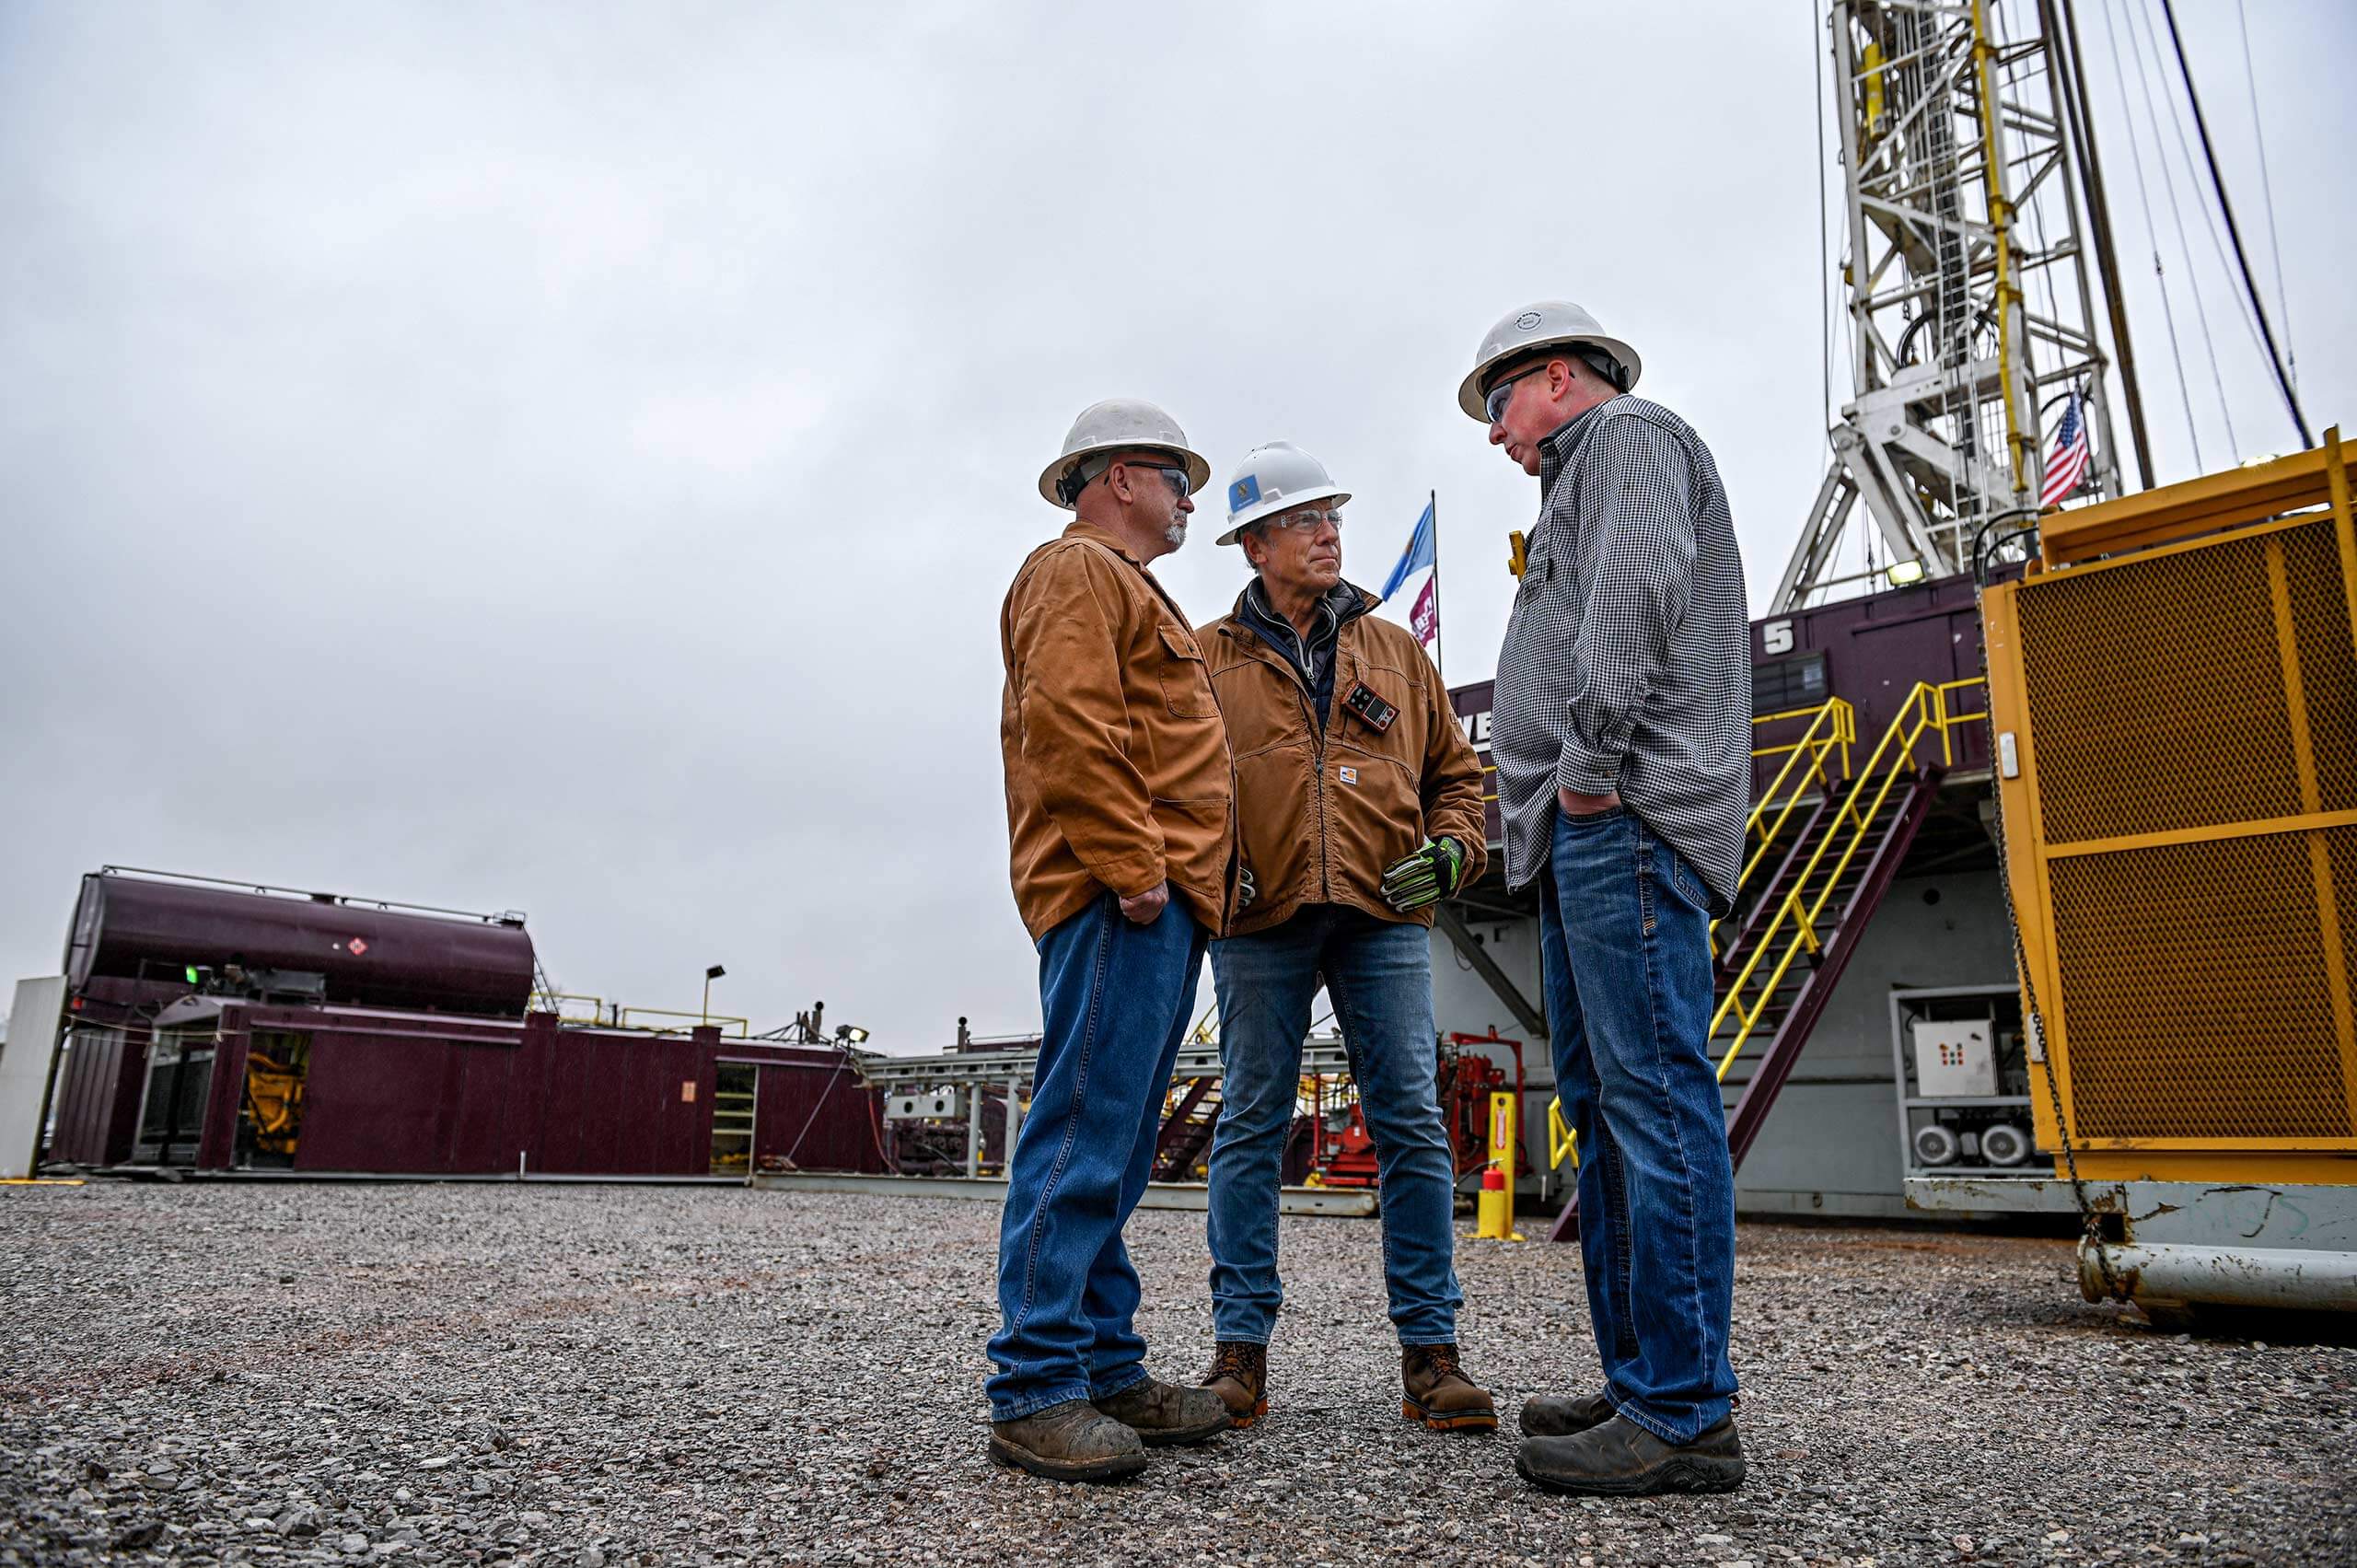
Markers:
2090,1224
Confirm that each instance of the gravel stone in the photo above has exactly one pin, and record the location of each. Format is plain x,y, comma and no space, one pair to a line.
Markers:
627,1375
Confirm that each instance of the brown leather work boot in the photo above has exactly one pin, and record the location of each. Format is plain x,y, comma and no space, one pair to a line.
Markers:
1073,1441
1240,1376
1621,1458
1437,1391
1559,1416
1164,1414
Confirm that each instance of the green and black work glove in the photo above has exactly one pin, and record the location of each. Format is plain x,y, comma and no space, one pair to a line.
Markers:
1427,876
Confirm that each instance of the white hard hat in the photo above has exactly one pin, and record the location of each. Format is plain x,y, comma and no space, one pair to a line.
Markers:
1114,425
1534,326
1275,478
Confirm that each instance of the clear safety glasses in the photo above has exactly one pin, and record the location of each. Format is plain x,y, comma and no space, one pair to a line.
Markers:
1292,520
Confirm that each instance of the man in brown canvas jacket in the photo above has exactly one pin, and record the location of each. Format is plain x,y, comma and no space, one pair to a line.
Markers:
1121,822
1359,803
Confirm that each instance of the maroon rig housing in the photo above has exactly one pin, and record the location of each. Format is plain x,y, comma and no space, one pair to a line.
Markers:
212,1028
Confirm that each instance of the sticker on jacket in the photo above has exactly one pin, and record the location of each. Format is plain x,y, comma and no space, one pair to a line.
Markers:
1348,775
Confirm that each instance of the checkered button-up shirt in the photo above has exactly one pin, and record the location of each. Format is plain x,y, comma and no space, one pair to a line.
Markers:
1626,662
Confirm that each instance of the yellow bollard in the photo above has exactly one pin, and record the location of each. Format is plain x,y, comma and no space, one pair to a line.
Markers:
1494,1212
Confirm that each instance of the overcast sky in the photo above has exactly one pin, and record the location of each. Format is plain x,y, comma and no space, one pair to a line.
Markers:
570,457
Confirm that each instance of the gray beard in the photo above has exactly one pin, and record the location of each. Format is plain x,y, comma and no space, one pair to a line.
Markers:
1176,532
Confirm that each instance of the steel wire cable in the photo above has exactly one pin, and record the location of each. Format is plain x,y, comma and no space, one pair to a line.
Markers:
2144,205
2267,194
1824,250
2034,1022
1821,43
2137,18
2193,183
2234,230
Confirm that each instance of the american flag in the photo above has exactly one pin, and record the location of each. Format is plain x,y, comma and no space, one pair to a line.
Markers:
2067,464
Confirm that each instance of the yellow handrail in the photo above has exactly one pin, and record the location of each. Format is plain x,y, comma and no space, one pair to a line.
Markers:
694,1019
1798,915
1832,725
598,1016
554,1002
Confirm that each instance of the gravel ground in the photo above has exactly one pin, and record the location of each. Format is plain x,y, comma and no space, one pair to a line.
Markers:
620,1375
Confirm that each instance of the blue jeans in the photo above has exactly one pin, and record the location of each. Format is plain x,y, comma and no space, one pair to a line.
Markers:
1116,999
1625,945
1379,974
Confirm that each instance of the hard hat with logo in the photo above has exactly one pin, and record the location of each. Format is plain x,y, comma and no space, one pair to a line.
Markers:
1272,478
1550,323
1116,424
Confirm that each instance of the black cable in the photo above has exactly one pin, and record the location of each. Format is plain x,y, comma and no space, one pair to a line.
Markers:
2235,233
1980,535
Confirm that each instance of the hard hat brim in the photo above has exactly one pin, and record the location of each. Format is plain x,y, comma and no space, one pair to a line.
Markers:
1262,514
1198,468
1473,390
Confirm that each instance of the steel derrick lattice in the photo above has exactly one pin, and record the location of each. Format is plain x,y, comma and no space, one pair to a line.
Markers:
1950,134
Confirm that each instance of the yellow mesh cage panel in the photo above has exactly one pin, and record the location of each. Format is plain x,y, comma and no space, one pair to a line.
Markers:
2197,1003
2327,662
2156,696
2203,978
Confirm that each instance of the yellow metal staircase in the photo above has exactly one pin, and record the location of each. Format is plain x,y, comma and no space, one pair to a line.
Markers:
1821,851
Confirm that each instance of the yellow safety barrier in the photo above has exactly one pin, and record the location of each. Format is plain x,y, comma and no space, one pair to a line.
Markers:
1561,1142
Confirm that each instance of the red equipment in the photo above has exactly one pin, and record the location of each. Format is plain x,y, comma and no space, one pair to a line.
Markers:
1342,1152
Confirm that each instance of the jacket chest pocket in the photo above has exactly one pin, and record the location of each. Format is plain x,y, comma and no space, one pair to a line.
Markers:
1399,735
1186,682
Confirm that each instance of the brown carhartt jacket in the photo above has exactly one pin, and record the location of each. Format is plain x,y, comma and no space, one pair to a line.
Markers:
1320,814
1117,768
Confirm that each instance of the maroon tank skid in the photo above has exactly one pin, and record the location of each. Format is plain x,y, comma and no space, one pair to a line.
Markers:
132,928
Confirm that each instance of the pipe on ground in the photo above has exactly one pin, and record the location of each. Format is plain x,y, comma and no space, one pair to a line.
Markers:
2226,1276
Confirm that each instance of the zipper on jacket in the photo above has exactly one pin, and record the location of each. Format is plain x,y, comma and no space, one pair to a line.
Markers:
1317,752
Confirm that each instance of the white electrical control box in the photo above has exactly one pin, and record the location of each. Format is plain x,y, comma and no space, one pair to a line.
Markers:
1954,1057
935,1105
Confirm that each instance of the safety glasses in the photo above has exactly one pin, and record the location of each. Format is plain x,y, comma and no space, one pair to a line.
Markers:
1292,520
1494,405
1173,474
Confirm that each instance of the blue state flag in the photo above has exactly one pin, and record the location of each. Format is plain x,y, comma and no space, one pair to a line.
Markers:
1419,555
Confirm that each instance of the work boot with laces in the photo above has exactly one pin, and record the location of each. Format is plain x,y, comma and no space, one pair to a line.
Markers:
1437,1391
1164,1414
1073,1441
1240,1376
